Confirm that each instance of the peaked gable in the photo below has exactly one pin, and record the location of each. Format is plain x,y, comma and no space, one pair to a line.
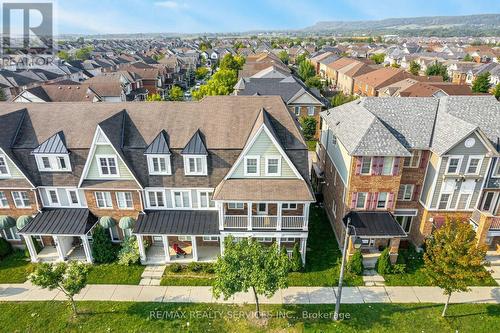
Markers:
195,146
53,145
159,145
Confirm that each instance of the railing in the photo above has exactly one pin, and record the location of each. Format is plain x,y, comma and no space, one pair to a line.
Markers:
476,216
264,222
495,223
235,221
292,222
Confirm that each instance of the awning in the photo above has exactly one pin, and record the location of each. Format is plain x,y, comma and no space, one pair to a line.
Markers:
374,224
126,222
62,221
22,221
6,222
107,222
178,222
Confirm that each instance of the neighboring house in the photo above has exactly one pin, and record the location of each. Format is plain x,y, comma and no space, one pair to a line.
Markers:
257,62
153,77
118,86
368,84
398,167
301,100
63,91
234,165
415,88
346,75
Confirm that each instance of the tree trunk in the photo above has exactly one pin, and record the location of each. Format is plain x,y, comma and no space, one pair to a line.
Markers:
446,305
73,305
257,306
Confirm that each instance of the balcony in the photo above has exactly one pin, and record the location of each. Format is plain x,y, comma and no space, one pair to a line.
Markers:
478,216
271,222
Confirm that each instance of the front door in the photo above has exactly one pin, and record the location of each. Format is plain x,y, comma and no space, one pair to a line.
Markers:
261,209
367,243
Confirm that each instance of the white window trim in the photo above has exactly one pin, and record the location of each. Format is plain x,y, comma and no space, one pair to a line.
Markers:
413,155
496,168
53,161
203,171
262,212
69,197
117,240
167,164
49,197
104,197
479,165
390,169
16,234
385,203
272,157
361,167
210,238
412,188
309,108
118,201
251,157
13,199
447,204
209,194
460,159
190,205
288,206
1,205
235,207
364,203
5,175
98,157
467,205
156,198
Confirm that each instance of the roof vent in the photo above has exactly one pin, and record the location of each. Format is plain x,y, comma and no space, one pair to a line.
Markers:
338,123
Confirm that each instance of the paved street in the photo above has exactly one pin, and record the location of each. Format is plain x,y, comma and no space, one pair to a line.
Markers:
292,295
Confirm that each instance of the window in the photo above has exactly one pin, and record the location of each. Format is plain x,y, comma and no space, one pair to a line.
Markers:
264,239
53,197
113,231
360,204
444,201
4,170
181,199
210,238
53,162
11,234
310,111
3,200
252,165
288,239
405,222
195,165
366,165
21,199
488,200
473,165
453,165
406,192
387,166
496,170
184,238
159,164
414,160
235,205
156,199
103,200
73,198
297,110
273,165
382,200
289,206
107,166
124,200
463,200
262,208
204,198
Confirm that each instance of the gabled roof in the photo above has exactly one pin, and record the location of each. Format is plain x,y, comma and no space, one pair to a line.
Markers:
53,145
195,146
159,145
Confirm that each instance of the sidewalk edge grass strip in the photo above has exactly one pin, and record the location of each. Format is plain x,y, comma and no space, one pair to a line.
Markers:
15,268
115,273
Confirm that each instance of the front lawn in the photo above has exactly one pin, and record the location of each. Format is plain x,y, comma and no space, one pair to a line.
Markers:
55,316
115,274
415,275
322,261
193,274
15,268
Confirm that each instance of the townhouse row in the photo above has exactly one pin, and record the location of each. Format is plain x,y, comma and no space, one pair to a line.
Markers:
397,168
179,176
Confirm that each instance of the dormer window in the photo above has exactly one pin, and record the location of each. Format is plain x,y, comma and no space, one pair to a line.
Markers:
51,163
195,156
4,169
195,165
252,165
159,165
273,165
108,166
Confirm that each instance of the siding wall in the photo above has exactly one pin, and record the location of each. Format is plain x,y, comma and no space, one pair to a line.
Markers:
93,172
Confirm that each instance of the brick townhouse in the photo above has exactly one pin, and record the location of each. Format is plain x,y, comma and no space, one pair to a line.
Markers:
176,175
398,167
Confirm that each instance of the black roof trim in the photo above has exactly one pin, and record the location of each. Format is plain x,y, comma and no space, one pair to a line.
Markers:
178,222
373,223
61,221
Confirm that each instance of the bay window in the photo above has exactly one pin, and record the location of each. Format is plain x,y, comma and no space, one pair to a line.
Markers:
181,199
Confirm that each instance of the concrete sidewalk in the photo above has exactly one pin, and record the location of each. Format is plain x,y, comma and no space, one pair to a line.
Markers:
292,295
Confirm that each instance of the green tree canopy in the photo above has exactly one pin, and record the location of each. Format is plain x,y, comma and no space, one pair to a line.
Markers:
176,94
63,55
201,73
453,259
414,67
308,125
340,99
378,58
246,264
221,83
102,247
496,92
482,83
468,57
437,69
83,53
156,97
231,62
314,82
306,70
284,57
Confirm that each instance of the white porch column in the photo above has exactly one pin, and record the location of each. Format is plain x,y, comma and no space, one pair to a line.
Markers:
306,216
280,213
221,214
278,241
86,248
31,248
221,241
249,215
142,253
58,248
303,242
194,248
166,249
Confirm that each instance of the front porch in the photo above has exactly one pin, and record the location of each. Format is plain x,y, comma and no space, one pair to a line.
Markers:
50,253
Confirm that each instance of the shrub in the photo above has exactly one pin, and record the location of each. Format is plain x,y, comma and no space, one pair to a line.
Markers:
102,247
195,267
296,262
398,269
209,268
175,268
129,253
355,264
308,125
5,248
383,265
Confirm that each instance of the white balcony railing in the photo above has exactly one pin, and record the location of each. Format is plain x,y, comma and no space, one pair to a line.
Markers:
264,222
236,221
292,222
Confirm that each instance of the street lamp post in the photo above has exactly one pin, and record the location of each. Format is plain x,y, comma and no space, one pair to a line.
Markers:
357,245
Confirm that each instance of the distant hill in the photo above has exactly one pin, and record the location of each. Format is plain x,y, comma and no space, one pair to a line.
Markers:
440,26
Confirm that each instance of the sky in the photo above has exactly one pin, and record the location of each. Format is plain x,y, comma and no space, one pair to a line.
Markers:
198,16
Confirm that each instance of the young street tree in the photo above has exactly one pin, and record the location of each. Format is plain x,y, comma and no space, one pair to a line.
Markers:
306,70
246,264
176,94
378,58
482,83
437,69
453,259
68,278
414,67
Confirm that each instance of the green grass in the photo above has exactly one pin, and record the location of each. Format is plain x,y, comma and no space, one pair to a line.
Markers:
311,145
15,268
115,274
56,316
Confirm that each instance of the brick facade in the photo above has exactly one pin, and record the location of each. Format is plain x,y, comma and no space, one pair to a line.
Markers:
304,113
113,212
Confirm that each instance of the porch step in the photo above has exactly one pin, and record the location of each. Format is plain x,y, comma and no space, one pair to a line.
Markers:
152,275
372,278
370,259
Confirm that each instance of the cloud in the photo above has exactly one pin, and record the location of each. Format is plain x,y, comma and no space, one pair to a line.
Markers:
171,4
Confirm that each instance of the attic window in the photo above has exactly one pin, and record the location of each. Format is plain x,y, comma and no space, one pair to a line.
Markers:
47,163
159,164
4,170
195,165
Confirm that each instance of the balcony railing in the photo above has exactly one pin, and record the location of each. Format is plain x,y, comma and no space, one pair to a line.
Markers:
236,221
263,222
292,222
495,223
476,218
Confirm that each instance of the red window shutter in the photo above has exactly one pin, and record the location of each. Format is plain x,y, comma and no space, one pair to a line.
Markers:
395,169
374,165
423,159
416,192
380,165
358,165
368,200
390,203
354,200
401,192
374,201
